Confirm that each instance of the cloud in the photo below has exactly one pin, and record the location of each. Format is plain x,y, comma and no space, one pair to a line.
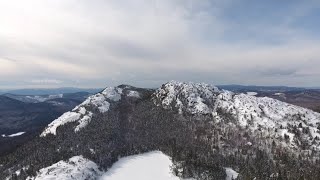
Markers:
100,43
46,81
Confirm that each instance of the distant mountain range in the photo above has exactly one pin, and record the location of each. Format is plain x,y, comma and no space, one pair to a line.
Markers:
240,88
48,91
64,90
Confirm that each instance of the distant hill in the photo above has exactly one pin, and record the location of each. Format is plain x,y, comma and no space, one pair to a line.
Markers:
42,98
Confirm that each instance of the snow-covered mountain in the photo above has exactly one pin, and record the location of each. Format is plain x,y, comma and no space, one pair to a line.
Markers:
287,124
202,128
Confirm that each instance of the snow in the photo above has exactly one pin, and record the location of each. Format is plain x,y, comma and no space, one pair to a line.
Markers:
92,151
82,110
284,132
65,118
104,107
252,93
98,100
153,165
83,122
18,172
231,174
76,168
113,94
200,106
133,94
189,96
13,135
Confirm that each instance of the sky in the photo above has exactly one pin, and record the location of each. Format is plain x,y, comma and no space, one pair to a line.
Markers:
99,43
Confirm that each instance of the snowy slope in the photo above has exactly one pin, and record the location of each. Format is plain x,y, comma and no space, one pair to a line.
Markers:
80,114
76,168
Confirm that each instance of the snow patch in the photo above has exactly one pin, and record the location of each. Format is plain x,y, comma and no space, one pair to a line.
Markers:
13,135
231,174
153,165
82,110
83,122
65,118
252,93
16,134
76,168
134,94
104,107
113,94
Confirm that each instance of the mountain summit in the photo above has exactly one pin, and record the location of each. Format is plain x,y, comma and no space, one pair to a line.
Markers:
202,128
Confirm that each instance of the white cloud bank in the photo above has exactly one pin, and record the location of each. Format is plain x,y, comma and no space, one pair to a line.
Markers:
94,43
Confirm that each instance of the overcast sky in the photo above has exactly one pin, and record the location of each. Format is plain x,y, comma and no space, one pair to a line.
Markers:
98,43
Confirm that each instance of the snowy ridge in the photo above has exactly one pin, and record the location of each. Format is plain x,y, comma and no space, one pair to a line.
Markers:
189,97
284,123
76,168
81,114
